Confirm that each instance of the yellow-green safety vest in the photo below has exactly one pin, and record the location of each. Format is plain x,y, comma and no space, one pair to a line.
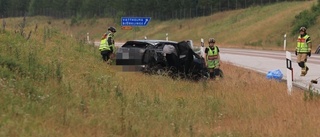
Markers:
212,63
302,44
104,44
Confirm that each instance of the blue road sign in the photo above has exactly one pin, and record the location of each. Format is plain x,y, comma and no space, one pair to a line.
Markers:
135,21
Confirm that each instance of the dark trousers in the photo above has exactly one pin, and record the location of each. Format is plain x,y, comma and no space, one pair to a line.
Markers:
214,72
106,54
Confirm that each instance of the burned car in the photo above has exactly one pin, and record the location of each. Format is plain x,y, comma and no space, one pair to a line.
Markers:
151,56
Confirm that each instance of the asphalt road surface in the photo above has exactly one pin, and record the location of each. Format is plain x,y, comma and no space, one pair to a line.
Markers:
265,61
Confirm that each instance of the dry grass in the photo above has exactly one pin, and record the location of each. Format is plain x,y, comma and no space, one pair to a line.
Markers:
255,27
94,99
242,104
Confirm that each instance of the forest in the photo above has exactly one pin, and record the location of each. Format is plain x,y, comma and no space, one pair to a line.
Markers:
157,9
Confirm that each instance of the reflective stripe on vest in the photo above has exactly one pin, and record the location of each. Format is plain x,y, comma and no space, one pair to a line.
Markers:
302,45
211,57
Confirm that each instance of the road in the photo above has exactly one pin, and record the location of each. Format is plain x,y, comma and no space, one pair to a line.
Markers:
117,44
264,61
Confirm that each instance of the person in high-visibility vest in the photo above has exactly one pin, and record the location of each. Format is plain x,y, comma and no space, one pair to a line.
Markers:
107,47
303,50
212,59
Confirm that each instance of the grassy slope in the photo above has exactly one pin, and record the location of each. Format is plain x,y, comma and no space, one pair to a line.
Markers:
255,27
59,87
258,27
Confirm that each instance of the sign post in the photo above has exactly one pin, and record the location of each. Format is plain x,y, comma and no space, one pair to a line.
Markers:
135,21
88,38
285,42
289,72
127,23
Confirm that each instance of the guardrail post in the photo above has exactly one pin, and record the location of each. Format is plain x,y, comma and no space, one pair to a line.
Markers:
167,38
88,38
289,72
285,42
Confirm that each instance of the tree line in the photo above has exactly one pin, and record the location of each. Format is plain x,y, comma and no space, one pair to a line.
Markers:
158,9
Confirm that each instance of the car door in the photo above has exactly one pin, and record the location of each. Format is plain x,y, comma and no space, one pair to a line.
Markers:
131,53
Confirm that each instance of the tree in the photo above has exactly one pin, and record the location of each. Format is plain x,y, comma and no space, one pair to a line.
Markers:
161,9
59,5
35,6
3,6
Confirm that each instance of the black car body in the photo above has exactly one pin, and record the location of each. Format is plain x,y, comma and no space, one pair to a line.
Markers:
132,52
149,57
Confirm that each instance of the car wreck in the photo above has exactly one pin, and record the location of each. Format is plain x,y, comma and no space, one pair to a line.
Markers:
151,56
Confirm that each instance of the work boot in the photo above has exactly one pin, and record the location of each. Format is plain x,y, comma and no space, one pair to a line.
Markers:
306,70
217,78
109,62
303,72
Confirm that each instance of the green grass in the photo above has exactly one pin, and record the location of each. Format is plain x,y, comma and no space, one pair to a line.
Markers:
56,85
254,27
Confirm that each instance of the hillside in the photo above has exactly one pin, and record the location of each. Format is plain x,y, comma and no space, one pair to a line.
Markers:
255,27
54,84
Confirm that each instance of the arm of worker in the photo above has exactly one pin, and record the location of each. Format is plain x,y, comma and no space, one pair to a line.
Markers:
111,44
309,46
218,50
309,43
109,41
219,56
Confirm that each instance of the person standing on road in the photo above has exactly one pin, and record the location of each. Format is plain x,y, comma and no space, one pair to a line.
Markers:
303,50
107,46
212,59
